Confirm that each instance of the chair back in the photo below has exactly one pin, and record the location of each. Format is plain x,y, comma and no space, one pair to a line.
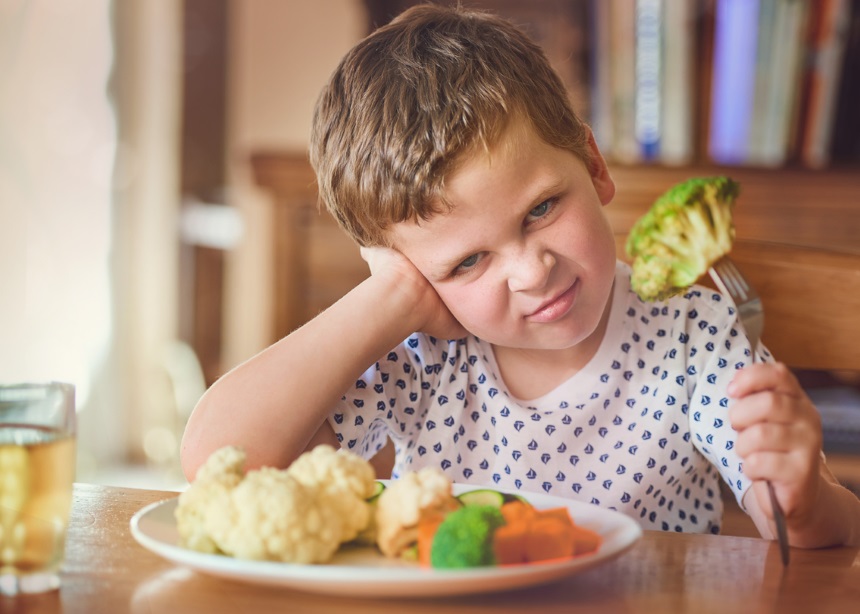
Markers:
811,301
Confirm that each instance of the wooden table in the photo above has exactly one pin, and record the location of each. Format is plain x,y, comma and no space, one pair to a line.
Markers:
107,571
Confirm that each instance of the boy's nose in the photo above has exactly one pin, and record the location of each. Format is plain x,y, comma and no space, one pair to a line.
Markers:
529,269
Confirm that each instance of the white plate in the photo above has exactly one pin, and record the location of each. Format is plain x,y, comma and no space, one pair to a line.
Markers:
365,572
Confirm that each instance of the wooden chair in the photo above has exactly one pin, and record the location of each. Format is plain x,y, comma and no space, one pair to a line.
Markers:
811,300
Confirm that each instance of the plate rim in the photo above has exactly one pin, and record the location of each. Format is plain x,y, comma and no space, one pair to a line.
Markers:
394,581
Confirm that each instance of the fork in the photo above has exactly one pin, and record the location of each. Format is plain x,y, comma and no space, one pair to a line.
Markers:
732,283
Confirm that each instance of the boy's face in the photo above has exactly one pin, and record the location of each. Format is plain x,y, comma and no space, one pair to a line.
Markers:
526,258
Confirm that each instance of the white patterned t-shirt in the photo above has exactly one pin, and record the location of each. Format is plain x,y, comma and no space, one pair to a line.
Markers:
643,428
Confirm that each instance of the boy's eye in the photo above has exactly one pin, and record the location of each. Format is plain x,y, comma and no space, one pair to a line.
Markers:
467,264
541,210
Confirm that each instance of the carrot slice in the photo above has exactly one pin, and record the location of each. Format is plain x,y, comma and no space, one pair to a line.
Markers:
549,537
509,543
427,525
585,541
517,511
561,513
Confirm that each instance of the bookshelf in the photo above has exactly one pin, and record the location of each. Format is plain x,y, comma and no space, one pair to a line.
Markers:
759,83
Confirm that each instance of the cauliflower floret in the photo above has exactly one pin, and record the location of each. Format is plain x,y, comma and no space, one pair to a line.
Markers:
299,515
222,472
403,503
347,481
272,516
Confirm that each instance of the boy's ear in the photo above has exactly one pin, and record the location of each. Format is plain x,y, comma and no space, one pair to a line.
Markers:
599,172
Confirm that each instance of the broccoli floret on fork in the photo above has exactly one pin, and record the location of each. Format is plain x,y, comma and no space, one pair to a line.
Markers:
686,230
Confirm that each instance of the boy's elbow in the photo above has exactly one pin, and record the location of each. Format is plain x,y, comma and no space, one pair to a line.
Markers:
189,455
193,448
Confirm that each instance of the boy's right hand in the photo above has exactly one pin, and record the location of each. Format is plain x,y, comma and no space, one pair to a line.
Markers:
431,314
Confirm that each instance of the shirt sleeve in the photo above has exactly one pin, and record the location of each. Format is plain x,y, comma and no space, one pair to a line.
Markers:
385,401
718,348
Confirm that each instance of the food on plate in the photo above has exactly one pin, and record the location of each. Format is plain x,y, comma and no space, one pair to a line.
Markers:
402,504
299,515
345,478
464,538
367,536
684,232
507,531
329,498
487,496
531,535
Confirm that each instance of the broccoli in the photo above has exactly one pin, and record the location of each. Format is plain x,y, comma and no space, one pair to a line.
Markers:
465,537
686,230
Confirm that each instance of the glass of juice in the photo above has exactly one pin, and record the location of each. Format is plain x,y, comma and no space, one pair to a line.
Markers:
37,469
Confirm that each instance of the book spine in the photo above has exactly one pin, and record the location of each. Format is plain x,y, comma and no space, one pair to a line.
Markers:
782,94
601,76
846,136
825,72
649,76
763,78
733,82
676,145
623,40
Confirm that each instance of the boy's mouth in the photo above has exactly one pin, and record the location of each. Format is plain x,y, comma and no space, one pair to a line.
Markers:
557,307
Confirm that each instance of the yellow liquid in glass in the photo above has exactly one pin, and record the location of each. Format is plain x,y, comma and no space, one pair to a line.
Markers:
37,469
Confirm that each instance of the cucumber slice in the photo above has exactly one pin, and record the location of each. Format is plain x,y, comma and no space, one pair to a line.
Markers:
510,497
483,496
377,490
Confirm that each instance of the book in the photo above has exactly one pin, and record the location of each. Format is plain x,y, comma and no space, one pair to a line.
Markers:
600,77
783,89
703,77
763,81
846,136
824,73
648,117
622,16
678,82
733,80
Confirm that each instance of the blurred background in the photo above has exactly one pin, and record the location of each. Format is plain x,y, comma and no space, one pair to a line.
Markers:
125,132
139,142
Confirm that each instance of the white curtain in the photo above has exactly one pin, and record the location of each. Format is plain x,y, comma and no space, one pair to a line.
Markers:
89,138
57,144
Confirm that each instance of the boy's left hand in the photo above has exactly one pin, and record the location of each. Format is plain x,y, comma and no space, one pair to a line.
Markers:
779,439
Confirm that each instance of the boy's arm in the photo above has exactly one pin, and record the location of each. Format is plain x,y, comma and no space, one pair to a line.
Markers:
780,440
276,402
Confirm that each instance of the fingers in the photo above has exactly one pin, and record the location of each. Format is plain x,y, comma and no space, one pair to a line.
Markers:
778,467
759,377
779,429
375,257
797,439
773,406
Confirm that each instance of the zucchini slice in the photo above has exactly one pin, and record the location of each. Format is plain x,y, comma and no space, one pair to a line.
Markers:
377,490
483,496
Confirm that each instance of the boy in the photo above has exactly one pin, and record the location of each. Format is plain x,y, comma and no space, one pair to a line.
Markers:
445,145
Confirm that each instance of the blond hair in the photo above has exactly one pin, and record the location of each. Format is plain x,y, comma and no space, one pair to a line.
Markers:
411,100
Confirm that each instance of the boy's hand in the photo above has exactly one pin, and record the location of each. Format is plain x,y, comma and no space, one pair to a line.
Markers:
779,439
433,316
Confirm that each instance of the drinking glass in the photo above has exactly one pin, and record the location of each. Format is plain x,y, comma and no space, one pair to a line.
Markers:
37,470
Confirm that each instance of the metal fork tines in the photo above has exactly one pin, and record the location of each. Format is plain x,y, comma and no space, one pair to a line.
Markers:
732,283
